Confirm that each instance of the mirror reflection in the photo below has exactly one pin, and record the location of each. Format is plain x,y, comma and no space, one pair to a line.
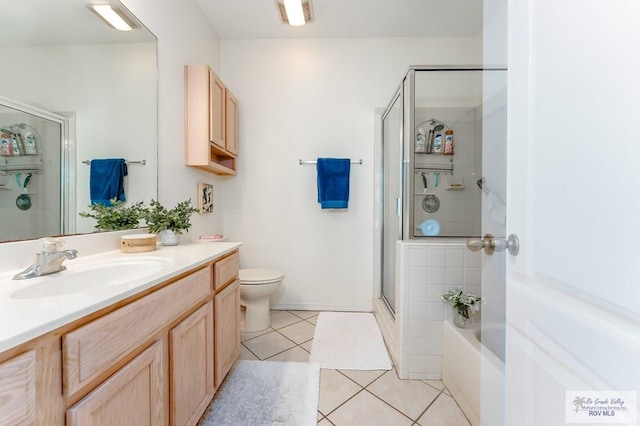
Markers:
72,89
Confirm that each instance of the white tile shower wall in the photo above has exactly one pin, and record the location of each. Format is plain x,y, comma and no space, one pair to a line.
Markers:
425,270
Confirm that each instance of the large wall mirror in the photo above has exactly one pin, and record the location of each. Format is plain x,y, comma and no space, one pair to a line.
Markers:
83,90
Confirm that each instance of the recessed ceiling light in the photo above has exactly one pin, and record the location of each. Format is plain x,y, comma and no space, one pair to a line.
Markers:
115,16
295,12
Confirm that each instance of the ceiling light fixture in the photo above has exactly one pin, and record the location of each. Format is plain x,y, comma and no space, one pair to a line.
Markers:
114,16
295,12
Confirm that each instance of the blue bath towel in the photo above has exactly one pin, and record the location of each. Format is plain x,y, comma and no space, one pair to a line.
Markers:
106,180
333,182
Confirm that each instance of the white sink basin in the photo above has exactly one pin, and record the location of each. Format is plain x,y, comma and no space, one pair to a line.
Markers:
89,276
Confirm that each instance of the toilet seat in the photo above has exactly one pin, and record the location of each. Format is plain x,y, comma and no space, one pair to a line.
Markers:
259,276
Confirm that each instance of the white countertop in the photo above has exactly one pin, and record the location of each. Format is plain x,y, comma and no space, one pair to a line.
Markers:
24,319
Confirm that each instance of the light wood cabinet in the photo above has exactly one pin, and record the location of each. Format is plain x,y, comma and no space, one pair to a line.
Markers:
134,396
155,358
231,122
216,110
211,126
18,390
227,329
192,375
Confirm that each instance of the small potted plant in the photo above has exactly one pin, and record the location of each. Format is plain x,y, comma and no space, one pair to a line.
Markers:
462,304
169,223
115,217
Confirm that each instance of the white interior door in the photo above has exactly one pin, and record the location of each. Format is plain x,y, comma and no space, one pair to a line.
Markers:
573,198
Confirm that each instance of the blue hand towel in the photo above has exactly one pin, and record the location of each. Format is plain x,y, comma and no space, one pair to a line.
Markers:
106,180
333,182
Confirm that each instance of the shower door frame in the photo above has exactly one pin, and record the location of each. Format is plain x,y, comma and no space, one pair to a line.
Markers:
406,91
66,121
398,96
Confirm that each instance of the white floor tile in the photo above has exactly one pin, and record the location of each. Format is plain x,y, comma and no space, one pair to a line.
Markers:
305,314
444,411
281,319
363,377
410,397
246,354
295,354
366,409
299,332
250,335
269,344
386,400
435,383
307,346
334,390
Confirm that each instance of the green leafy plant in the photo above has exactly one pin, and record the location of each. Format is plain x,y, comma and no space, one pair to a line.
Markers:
461,302
178,219
115,217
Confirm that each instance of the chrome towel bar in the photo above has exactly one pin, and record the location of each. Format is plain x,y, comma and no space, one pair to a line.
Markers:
143,162
314,161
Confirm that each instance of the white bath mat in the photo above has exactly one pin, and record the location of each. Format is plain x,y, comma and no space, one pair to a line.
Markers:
265,393
349,341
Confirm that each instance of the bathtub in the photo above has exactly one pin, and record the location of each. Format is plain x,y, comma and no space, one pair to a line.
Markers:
474,374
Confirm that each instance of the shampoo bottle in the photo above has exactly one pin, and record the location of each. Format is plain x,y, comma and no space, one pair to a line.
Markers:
437,143
448,142
421,141
430,142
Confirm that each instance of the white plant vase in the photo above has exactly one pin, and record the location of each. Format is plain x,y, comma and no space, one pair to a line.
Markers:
169,238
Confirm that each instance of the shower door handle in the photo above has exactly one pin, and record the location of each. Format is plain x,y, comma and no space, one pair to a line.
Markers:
491,244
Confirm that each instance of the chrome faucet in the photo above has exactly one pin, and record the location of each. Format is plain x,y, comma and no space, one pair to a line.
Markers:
49,260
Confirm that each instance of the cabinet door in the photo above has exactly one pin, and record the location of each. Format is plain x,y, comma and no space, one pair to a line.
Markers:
18,390
231,126
191,348
216,110
134,396
227,329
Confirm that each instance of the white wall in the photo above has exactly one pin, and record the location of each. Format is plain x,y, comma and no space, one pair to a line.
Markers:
184,37
302,99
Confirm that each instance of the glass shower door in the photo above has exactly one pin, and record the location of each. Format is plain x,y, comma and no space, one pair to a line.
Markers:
392,140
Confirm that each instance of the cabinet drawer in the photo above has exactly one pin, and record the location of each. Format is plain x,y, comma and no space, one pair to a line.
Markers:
226,270
18,390
97,346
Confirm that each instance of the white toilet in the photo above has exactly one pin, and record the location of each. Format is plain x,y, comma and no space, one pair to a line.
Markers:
256,285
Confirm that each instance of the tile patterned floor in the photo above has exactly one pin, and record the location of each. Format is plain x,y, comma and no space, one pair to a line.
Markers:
354,397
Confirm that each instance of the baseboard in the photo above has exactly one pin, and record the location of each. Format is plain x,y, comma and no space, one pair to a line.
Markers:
321,307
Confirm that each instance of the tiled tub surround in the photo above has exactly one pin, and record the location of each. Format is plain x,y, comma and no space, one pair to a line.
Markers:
424,269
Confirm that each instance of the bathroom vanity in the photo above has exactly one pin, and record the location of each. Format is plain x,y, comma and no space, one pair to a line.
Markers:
148,351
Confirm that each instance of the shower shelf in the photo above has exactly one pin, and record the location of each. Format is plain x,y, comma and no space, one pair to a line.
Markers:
21,164
444,169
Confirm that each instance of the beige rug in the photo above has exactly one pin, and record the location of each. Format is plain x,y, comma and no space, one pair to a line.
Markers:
264,393
349,341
